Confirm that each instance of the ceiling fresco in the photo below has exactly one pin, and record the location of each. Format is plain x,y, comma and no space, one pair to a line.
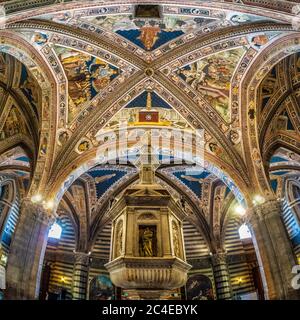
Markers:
29,87
21,87
37,38
14,124
134,114
21,56
268,87
93,75
193,178
87,75
212,78
74,74
283,158
17,163
281,169
282,164
103,181
20,79
194,181
283,127
150,34
2,65
15,156
105,178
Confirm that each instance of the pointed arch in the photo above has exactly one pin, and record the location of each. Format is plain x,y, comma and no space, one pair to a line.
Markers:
264,62
32,59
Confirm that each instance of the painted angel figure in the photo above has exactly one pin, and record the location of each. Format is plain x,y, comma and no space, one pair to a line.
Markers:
196,74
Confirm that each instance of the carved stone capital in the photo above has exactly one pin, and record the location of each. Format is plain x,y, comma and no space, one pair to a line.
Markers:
265,210
39,213
82,258
219,258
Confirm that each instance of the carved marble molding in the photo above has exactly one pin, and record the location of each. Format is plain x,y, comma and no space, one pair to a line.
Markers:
156,273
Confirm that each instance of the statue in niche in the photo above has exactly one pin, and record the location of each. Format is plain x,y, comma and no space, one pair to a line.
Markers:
176,243
119,239
182,202
147,241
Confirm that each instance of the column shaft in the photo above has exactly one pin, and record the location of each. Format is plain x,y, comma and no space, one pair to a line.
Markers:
221,276
274,250
27,252
80,276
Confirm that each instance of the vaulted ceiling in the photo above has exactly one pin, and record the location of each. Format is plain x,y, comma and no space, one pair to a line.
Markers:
72,73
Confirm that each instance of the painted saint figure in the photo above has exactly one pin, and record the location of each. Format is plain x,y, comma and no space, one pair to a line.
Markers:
149,35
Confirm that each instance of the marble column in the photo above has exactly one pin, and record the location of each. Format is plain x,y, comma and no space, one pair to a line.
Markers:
80,276
274,250
221,276
27,250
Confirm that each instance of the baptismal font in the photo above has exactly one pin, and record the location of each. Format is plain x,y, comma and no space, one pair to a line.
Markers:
147,249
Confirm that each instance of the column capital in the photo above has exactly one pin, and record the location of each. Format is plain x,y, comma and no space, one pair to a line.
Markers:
271,207
218,257
82,258
38,212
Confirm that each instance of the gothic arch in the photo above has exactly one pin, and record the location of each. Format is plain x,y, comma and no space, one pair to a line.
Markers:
263,63
19,48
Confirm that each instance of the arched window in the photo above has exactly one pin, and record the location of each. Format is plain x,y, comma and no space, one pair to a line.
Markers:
244,232
55,231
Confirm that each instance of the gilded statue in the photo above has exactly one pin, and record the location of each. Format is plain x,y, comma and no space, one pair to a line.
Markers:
176,240
119,239
146,247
